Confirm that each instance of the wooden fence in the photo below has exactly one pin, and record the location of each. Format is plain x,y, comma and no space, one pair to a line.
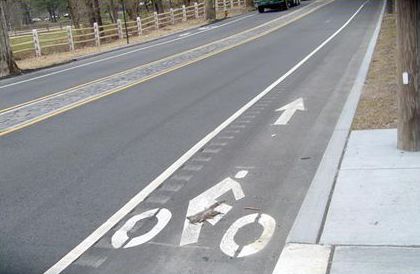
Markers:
39,43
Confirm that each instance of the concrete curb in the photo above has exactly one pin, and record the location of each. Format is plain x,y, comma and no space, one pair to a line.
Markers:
309,222
302,253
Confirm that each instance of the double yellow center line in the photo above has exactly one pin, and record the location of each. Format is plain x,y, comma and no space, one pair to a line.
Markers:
31,112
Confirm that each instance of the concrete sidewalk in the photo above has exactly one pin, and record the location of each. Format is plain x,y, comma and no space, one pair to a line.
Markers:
372,220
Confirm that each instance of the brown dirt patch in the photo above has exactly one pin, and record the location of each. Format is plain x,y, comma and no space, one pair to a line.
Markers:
378,103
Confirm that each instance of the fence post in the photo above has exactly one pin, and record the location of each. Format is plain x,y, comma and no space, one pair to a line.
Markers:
184,13
37,44
97,36
120,29
196,10
139,30
156,20
224,6
70,38
172,16
231,4
205,11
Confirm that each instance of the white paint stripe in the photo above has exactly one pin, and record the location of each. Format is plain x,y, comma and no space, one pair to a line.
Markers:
241,174
191,231
405,78
122,54
269,225
212,150
184,34
120,237
228,244
230,247
303,259
139,197
91,261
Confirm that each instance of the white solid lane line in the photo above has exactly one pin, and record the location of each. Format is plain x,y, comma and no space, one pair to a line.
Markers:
70,257
185,34
123,54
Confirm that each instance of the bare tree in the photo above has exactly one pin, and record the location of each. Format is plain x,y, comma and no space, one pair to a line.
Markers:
90,11
133,9
250,3
158,5
26,8
210,10
74,7
7,63
98,15
112,8
53,7
390,6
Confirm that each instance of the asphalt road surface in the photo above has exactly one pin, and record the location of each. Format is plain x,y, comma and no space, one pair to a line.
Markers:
231,142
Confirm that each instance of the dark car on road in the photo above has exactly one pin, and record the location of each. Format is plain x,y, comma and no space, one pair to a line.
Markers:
275,4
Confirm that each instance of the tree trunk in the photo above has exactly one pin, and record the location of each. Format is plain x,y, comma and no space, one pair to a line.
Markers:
74,10
98,16
91,12
250,4
51,12
408,24
210,10
133,9
7,63
390,6
158,6
113,11
26,13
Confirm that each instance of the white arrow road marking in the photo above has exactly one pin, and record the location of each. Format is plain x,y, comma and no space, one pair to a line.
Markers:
230,247
289,110
205,200
121,236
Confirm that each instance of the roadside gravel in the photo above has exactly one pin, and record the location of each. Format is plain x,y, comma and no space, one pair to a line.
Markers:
378,104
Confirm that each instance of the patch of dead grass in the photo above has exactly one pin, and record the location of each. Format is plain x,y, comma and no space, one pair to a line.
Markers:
62,57
378,104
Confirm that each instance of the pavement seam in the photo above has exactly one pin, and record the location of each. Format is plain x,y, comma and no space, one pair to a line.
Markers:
379,168
330,260
377,246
